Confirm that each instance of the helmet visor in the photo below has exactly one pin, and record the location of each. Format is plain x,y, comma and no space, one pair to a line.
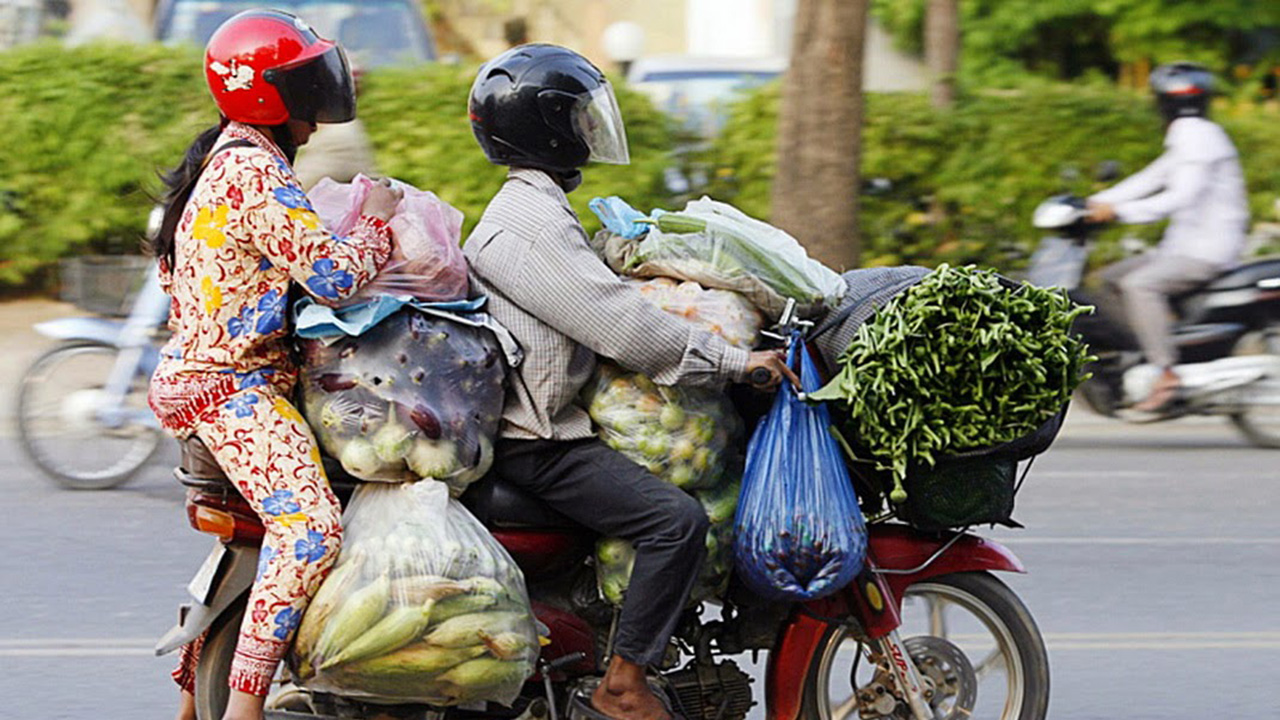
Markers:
598,123
320,90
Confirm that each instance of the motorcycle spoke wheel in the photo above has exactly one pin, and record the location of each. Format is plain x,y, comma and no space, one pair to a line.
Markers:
1260,422
58,426
973,642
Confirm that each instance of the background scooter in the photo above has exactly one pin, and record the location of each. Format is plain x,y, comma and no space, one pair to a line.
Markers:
1227,333
81,409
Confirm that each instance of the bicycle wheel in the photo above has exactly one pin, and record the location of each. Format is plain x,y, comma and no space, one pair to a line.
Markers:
58,424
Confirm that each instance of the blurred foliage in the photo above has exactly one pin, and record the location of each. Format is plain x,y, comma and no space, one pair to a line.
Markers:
965,182
1003,39
88,130
85,132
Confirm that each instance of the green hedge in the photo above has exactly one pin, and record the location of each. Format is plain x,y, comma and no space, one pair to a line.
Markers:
965,182
88,130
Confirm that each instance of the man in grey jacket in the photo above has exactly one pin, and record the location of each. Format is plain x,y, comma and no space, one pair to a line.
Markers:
1198,184
545,111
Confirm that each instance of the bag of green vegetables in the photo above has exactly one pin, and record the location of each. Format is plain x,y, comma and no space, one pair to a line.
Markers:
718,246
423,606
961,364
690,437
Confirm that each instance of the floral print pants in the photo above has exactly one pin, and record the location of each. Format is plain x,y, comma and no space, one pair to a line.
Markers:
266,449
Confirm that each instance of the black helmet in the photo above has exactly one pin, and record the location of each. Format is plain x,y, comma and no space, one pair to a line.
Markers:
1182,90
546,107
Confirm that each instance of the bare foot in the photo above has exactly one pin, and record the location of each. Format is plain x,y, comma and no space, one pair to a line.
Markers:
187,706
624,694
244,706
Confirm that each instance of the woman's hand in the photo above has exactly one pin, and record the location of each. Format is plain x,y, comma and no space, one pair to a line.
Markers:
382,200
767,368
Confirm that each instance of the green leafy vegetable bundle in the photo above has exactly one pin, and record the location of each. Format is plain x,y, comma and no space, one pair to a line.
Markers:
959,362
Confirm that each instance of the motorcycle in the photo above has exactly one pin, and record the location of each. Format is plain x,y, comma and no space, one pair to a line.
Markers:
81,406
1227,334
926,631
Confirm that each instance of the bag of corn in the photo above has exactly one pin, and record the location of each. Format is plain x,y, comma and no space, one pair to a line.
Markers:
423,606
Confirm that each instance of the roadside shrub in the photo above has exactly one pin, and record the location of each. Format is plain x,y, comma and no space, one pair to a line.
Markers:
965,182
88,129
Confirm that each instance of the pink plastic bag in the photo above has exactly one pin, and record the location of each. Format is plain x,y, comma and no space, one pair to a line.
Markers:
426,254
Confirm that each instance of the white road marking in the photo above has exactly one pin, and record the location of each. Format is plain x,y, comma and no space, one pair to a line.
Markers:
1014,541
76,647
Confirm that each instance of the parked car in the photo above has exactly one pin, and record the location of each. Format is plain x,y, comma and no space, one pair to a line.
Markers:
373,32
697,90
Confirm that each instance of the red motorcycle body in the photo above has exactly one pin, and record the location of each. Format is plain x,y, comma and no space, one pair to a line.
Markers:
897,557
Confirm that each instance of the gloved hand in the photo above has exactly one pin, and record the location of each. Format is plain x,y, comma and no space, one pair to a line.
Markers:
618,217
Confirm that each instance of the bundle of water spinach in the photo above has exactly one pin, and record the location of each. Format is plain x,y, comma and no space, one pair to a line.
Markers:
961,361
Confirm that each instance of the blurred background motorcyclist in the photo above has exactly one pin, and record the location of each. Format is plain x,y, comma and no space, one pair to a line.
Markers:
1199,186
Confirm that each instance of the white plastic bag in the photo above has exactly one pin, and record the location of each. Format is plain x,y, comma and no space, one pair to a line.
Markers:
423,606
426,256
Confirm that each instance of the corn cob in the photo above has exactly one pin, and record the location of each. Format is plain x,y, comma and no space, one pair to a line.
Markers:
476,678
399,628
360,611
465,630
418,589
321,608
413,660
507,645
450,608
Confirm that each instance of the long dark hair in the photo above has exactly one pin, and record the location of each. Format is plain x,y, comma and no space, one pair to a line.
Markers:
180,181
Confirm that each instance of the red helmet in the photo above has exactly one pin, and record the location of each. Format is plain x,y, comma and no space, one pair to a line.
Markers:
266,66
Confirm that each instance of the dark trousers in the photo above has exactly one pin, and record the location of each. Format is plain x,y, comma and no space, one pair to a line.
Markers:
605,492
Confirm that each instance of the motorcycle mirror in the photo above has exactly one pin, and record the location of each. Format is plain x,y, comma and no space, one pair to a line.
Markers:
1059,211
1108,171
154,221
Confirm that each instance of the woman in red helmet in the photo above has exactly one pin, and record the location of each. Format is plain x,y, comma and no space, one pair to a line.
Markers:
238,234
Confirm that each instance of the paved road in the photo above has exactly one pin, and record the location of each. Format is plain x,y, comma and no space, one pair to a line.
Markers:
1154,555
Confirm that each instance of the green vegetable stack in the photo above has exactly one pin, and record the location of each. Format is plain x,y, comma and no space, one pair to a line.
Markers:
423,605
688,436
956,363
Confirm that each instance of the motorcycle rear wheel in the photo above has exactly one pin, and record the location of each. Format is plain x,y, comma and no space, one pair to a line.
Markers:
56,426
1017,648
214,668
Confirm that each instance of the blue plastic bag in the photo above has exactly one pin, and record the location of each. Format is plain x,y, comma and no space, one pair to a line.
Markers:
800,533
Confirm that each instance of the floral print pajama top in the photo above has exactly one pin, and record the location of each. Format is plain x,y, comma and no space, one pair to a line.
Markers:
248,235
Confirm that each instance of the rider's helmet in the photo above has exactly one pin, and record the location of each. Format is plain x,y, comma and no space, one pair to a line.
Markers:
546,107
266,66
1182,90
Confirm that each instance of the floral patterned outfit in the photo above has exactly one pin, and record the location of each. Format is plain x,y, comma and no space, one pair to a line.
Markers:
247,234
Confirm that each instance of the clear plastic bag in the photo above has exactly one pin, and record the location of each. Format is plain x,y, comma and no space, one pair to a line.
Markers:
416,396
423,606
689,437
800,533
719,246
426,255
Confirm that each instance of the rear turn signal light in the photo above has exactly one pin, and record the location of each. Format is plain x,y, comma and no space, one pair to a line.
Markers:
214,522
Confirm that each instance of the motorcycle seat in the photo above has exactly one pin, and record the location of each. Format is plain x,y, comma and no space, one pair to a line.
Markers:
498,504
198,468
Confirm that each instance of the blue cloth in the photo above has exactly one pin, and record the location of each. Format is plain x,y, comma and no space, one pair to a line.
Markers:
314,321
618,217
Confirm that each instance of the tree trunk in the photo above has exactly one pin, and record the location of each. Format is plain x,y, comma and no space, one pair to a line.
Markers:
942,49
815,192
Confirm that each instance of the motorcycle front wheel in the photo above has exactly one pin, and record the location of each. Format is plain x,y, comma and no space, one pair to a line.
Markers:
58,401
973,641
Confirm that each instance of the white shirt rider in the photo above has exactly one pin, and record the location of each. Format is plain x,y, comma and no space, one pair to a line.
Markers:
1199,185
